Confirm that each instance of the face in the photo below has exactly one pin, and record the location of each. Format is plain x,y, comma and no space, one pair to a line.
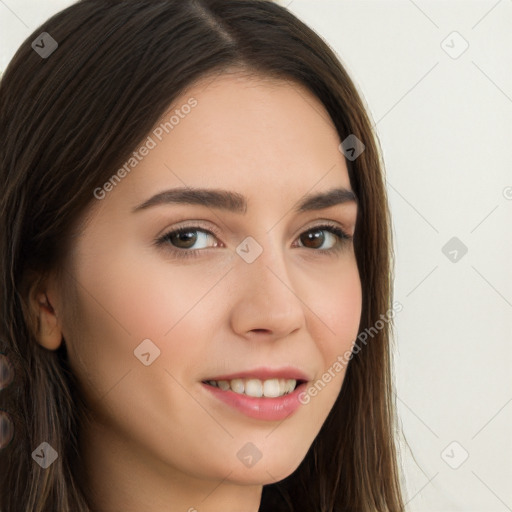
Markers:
253,294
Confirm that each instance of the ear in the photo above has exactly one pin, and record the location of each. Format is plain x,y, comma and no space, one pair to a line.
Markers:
48,330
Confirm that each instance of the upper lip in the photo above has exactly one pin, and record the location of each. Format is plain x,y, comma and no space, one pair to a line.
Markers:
287,372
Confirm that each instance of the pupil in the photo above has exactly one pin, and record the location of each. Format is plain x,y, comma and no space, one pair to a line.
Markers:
188,237
316,236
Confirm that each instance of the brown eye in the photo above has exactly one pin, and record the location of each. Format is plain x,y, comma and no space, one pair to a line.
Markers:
313,239
183,239
187,238
316,237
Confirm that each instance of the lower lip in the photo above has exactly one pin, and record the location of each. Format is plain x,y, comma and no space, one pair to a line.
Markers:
266,409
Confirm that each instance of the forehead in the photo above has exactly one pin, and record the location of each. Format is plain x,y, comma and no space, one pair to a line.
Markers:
249,134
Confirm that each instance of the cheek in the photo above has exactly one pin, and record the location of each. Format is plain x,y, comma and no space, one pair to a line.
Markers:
125,303
338,306
338,309
152,296
126,298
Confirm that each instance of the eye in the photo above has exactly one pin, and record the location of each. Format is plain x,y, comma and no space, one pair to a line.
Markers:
315,237
185,238
182,241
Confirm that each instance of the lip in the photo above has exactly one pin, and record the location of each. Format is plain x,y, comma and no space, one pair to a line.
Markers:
265,373
265,409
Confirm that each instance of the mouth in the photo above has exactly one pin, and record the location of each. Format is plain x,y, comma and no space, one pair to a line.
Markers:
257,388
263,394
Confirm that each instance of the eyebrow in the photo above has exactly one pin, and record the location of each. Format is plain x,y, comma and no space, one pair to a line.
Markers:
237,203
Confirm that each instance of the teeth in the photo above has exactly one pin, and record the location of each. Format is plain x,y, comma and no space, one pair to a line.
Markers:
271,388
291,385
223,384
238,386
254,387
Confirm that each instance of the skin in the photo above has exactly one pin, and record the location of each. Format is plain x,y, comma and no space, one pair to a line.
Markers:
158,441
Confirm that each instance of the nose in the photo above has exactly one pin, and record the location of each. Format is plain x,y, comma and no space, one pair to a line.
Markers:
266,301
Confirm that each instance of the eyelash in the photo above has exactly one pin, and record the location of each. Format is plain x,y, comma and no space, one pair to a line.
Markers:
342,236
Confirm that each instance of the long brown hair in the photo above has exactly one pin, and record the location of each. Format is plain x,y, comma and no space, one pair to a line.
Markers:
67,122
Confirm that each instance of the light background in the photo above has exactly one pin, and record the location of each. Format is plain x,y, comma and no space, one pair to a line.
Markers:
445,126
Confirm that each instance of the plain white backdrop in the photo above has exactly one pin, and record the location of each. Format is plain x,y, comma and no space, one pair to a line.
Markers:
437,80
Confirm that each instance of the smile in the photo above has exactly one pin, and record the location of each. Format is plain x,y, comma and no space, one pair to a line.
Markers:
267,394
270,388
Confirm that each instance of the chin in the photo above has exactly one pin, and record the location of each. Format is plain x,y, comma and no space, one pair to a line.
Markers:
265,472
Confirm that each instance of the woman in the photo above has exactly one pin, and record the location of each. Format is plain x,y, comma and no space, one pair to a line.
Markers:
194,231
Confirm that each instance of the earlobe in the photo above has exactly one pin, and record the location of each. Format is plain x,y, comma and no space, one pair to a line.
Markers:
49,333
